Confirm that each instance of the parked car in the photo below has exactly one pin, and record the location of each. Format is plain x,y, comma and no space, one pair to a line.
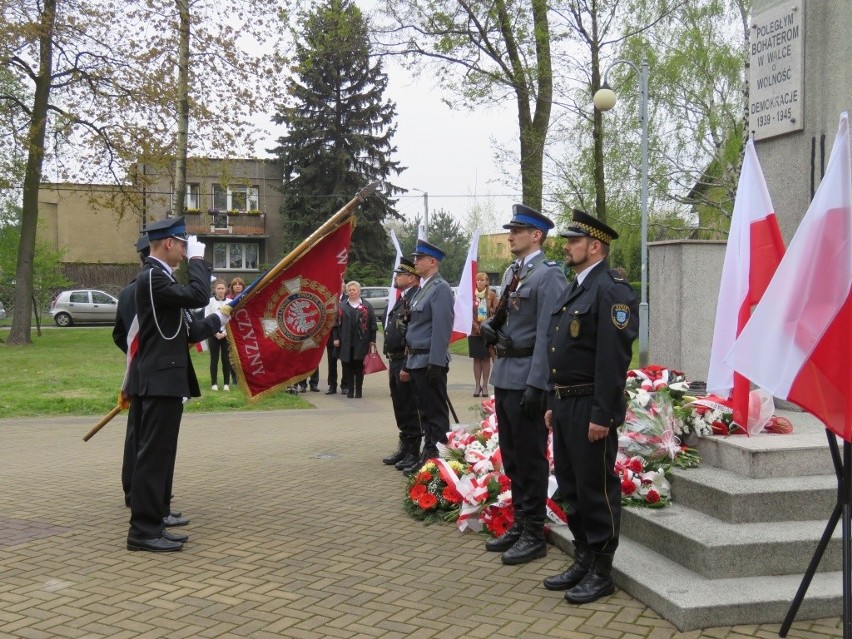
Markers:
83,306
2,311
378,298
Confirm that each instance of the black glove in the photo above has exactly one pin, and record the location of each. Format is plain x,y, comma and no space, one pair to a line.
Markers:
488,333
435,375
533,403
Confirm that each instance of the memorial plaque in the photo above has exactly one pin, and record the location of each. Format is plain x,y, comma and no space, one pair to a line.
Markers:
776,97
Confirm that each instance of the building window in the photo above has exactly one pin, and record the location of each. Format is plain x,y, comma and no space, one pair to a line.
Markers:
192,199
236,198
236,255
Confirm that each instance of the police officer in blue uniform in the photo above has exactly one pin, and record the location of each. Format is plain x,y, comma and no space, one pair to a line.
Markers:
427,342
589,348
163,375
407,282
531,287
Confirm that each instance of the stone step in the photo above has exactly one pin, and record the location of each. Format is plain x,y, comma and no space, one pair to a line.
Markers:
690,600
804,452
717,549
736,499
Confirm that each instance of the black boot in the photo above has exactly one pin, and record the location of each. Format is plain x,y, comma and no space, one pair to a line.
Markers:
394,457
596,584
508,538
531,545
583,560
332,389
359,384
412,454
428,453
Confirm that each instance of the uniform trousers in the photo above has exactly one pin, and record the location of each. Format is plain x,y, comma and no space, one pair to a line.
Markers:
585,472
404,405
523,447
155,462
134,413
432,405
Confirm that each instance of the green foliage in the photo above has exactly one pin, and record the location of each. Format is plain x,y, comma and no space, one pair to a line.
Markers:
339,133
79,371
47,275
446,233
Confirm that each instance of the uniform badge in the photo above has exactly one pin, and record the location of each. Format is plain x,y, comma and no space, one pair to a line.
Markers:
620,315
574,327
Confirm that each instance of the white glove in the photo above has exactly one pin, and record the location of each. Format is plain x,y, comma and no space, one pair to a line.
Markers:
194,248
223,318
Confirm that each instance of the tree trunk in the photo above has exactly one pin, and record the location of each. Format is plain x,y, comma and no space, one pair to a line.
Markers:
23,312
179,198
597,127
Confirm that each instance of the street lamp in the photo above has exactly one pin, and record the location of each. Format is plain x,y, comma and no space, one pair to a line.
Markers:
604,100
425,228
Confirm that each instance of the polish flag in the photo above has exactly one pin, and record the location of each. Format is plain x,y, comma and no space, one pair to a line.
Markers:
463,307
755,248
202,346
797,343
393,293
132,349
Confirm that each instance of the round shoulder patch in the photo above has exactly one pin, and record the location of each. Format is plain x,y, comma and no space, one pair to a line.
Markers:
620,315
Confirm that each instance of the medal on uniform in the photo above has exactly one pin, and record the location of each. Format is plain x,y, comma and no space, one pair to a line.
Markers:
574,327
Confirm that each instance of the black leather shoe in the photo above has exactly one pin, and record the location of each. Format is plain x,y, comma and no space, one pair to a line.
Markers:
157,544
583,560
315,389
592,587
175,536
527,548
391,459
507,539
408,460
171,520
331,391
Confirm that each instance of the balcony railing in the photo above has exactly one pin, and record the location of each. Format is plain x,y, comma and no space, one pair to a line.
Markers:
222,223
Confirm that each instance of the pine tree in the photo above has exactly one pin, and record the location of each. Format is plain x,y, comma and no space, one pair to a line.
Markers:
339,134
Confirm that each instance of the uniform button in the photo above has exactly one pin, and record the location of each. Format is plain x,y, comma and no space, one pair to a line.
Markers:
564,308
553,371
553,349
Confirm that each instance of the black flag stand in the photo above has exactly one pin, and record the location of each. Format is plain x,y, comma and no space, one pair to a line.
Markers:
843,508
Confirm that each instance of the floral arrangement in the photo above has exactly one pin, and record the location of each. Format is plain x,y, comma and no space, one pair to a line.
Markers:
641,485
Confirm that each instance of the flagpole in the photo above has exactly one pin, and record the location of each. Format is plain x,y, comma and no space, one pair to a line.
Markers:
333,222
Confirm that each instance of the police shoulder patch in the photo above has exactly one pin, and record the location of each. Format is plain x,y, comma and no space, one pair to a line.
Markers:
620,315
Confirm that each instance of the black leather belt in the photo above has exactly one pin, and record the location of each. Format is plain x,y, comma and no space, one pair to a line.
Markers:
395,356
418,351
527,351
575,390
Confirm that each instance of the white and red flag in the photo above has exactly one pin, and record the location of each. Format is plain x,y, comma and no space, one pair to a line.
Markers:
755,248
393,292
463,306
797,343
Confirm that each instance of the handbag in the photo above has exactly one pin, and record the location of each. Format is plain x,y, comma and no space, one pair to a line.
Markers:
373,363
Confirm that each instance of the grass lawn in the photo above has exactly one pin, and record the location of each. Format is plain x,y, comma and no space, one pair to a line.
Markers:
78,371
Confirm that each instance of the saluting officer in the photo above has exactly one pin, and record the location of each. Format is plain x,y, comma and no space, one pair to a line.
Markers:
428,342
531,286
407,282
164,376
589,350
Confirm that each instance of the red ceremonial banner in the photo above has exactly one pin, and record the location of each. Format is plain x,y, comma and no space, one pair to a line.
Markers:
279,330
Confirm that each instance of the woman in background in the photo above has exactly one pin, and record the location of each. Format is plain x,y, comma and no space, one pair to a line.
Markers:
484,305
354,335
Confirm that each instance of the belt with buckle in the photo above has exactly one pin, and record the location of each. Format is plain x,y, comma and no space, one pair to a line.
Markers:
575,390
526,351
418,351
395,356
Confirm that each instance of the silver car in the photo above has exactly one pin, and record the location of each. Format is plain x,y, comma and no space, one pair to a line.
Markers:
83,306
378,298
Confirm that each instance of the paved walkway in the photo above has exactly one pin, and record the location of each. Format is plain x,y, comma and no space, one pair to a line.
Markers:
297,531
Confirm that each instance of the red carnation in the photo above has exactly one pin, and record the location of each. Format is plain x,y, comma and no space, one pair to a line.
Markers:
428,501
652,496
417,491
636,465
627,487
451,495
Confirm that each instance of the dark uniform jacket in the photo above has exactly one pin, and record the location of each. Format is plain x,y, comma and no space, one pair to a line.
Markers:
394,336
164,366
356,330
590,340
